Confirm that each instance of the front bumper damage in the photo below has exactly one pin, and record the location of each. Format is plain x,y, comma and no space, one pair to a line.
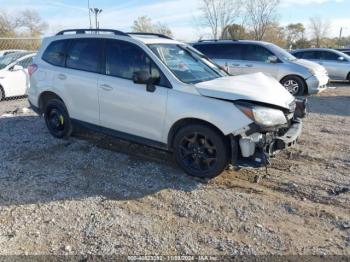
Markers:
255,147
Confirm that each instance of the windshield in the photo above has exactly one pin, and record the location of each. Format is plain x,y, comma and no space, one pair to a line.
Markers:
281,53
189,66
9,59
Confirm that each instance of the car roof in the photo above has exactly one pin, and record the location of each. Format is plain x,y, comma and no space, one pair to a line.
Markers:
205,42
314,49
318,49
143,37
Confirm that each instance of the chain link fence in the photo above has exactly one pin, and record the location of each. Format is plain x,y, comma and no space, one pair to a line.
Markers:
29,44
16,54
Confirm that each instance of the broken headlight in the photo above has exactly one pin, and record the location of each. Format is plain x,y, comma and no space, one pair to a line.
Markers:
263,116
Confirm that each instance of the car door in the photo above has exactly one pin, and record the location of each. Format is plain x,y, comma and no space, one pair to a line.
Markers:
337,69
125,106
77,81
257,60
16,81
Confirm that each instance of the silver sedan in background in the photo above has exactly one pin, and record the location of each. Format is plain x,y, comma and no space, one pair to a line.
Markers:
337,63
239,57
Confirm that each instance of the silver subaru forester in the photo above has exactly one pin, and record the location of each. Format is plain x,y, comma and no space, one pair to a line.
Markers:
298,76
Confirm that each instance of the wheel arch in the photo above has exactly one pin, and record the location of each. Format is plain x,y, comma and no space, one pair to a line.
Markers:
300,77
189,121
45,97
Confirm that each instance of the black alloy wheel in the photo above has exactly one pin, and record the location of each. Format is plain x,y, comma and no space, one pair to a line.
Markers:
201,151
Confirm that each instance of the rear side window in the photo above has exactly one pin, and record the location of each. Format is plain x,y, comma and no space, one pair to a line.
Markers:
55,53
309,55
84,54
221,51
257,53
123,59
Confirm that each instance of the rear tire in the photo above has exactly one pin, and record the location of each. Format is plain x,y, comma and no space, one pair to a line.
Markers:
57,119
294,84
201,151
349,77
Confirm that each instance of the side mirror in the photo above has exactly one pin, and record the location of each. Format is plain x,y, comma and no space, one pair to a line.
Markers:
341,59
17,68
144,78
272,59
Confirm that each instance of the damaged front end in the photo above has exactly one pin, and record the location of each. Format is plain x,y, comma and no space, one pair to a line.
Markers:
256,144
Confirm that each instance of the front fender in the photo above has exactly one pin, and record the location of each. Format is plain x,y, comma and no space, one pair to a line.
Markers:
222,114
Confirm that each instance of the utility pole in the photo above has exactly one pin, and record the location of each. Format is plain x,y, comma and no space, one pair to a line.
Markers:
340,34
96,12
89,13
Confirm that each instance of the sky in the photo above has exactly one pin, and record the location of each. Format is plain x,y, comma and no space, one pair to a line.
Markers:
182,16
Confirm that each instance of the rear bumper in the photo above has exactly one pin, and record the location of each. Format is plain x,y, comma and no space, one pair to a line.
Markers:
317,84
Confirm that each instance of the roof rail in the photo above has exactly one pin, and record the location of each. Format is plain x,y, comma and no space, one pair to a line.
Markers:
83,31
149,34
216,40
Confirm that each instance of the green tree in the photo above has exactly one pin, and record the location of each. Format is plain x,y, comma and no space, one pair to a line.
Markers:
295,33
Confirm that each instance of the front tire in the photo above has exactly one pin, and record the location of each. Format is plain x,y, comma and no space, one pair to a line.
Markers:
295,85
201,151
57,119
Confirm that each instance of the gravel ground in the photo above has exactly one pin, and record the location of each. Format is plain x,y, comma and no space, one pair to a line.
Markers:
95,195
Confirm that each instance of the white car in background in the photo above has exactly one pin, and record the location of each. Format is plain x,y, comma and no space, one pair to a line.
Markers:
10,51
14,79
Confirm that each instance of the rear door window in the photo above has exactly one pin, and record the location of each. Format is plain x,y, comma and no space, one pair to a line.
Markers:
257,53
55,53
84,54
310,55
221,51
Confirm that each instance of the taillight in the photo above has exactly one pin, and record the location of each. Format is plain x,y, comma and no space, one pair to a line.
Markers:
32,68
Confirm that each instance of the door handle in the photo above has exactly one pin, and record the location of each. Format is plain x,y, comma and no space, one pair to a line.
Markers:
62,77
106,87
235,64
249,65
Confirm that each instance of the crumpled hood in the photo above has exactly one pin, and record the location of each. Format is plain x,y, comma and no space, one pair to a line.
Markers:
256,87
309,64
